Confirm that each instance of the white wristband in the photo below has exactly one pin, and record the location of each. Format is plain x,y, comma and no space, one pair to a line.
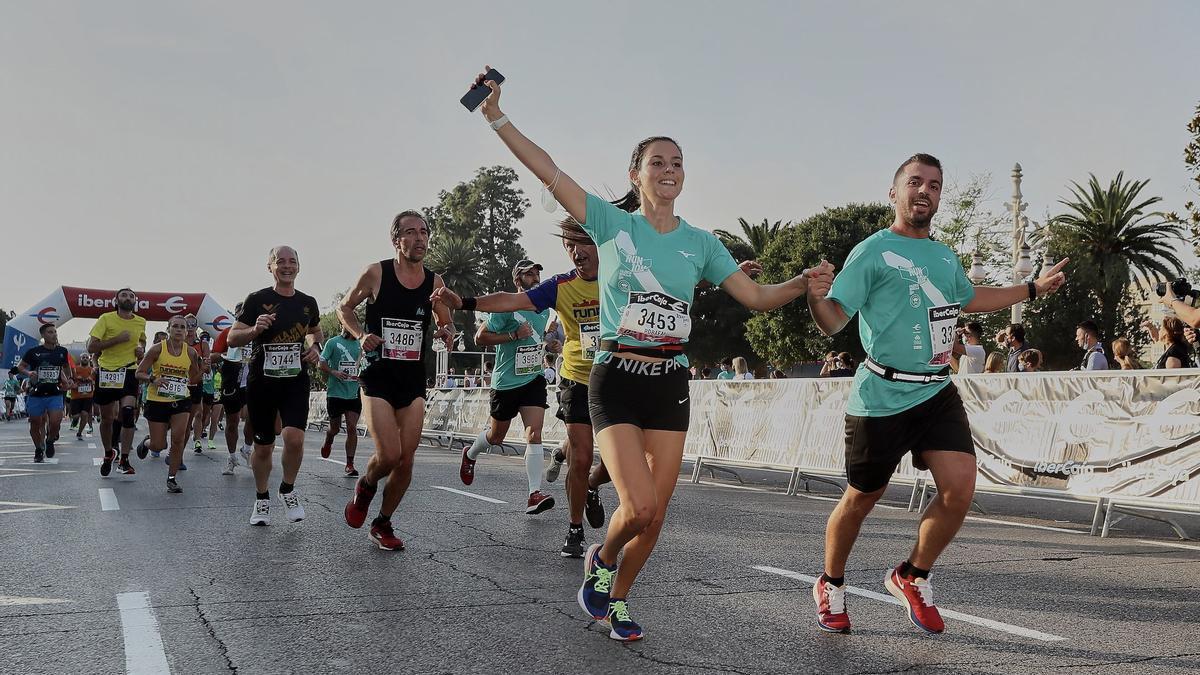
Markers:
500,121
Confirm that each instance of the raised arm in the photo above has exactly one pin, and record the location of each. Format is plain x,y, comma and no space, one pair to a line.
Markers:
565,189
492,302
991,298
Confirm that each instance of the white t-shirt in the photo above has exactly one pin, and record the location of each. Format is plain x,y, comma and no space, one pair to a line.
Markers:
744,376
972,362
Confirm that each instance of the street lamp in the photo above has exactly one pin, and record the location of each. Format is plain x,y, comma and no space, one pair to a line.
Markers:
978,274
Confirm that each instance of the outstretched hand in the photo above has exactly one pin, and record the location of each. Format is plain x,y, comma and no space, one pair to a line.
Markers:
820,280
491,105
447,297
1053,279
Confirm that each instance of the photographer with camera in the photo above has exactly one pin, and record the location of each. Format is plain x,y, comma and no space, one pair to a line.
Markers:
968,355
1179,298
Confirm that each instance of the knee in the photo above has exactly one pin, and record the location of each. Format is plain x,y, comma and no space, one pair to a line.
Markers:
957,499
860,503
643,513
533,435
581,457
265,437
128,417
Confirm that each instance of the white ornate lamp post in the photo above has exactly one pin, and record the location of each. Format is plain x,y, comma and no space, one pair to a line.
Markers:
1022,261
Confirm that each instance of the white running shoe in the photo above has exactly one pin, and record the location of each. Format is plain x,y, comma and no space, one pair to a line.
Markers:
246,451
261,515
230,465
295,512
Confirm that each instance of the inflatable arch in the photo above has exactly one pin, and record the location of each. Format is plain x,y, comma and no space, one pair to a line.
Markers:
71,302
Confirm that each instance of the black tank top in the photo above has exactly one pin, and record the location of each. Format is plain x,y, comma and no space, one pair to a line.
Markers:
401,317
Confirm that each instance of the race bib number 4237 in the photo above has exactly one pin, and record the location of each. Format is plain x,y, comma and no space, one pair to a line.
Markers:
655,317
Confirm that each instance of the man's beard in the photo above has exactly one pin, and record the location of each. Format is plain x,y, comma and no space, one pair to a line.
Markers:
126,305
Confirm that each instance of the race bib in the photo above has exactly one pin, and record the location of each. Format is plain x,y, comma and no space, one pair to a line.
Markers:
529,359
206,378
350,368
84,388
281,360
589,339
942,324
173,387
402,339
652,316
47,374
112,379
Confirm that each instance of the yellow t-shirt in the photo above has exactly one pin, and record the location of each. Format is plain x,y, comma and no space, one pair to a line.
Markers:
110,325
175,370
577,302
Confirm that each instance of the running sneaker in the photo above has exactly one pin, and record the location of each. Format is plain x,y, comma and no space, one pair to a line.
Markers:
597,584
385,538
155,454
623,628
79,436
197,448
246,452
573,547
295,512
539,501
593,509
917,597
230,465
125,467
38,455
351,472
325,450
106,465
261,515
556,463
212,445
831,607
49,448
172,486
91,430
74,424
466,469
143,448
356,508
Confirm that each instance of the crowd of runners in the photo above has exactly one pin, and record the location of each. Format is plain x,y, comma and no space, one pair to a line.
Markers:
623,305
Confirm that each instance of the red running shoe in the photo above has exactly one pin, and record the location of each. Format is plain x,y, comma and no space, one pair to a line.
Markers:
385,538
831,607
539,501
466,470
356,508
325,450
917,597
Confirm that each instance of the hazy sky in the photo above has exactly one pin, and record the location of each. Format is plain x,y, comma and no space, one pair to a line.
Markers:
168,146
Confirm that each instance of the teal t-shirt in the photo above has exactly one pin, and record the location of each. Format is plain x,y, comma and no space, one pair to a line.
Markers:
725,375
342,354
518,363
206,383
908,294
11,386
647,280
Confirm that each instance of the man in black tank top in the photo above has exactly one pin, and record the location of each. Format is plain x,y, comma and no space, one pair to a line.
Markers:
394,345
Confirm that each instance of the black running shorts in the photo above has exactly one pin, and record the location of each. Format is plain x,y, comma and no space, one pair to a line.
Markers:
506,403
268,397
233,401
644,394
398,389
105,396
336,407
573,402
875,445
162,411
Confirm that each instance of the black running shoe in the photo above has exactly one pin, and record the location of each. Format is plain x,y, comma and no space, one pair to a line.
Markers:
573,547
143,448
49,448
173,487
37,455
106,465
593,509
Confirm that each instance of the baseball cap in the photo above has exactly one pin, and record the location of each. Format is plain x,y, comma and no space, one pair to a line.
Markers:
524,266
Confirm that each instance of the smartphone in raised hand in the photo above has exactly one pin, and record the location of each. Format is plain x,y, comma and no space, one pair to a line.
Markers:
476,94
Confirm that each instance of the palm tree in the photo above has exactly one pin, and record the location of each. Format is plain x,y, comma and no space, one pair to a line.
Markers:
455,258
1118,238
758,237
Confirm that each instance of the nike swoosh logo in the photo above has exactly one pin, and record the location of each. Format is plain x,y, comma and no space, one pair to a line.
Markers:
683,401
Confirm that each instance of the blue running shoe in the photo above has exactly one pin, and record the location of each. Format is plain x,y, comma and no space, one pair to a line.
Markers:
182,466
623,627
597,584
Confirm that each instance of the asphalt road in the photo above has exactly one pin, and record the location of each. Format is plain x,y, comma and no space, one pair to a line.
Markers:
183,582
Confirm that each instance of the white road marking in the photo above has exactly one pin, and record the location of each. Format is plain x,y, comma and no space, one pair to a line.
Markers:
143,643
333,461
1030,526
10,601
91,446
1170,544
16,473
30,506
947,613
108,500
97,461
468,494
835,499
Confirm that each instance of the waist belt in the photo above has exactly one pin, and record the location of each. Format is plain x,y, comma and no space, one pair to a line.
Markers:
662,352
890,373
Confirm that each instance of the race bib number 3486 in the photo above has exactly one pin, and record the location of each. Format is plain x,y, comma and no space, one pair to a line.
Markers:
402,339
655,317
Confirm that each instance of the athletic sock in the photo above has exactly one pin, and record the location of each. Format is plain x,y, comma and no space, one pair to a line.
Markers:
836,581
380,520
285,488
533,465
480,444
560,456
575,526
263,495
908,571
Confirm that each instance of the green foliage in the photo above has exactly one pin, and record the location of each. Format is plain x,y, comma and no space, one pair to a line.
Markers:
1191,159
757,237
719,321
1111,239
965,224
788,335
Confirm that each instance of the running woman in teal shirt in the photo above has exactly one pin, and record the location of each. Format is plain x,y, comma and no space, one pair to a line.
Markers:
908,291
650,263
340,361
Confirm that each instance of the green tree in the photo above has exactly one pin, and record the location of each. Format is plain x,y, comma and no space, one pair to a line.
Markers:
484,211
1116,240
788,335
757,237
455,257
719,321
1191,159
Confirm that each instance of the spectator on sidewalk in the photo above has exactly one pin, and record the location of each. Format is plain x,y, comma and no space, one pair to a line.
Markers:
1015,340
1124,356
1087,336
741,369
1030,361
968,355
726,370
994,363
838,365
1176,352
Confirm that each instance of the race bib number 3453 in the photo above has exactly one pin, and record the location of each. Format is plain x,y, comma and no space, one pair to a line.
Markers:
402,339
655,317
